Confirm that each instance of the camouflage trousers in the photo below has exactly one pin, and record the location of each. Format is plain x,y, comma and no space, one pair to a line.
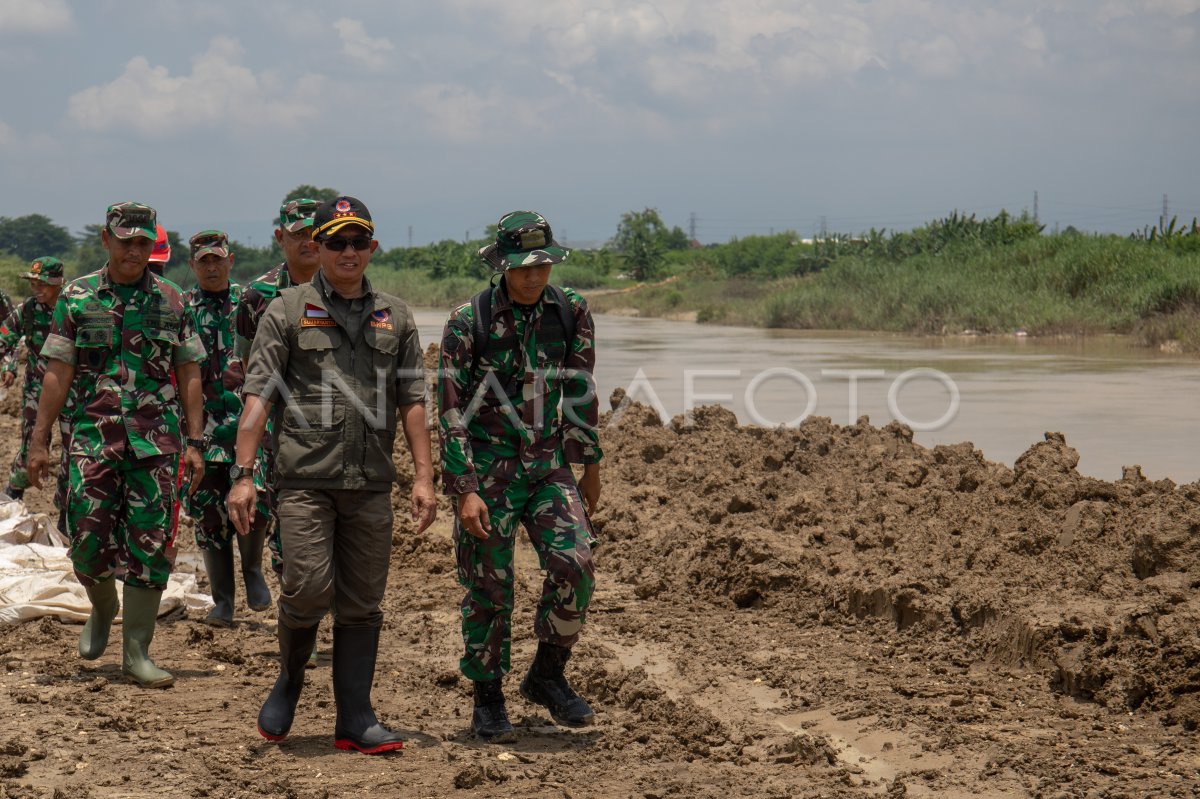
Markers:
119,519
18,476
552,512
207,509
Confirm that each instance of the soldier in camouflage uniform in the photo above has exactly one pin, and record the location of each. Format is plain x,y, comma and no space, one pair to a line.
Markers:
212,302
516,411
299,266
117,336
30,321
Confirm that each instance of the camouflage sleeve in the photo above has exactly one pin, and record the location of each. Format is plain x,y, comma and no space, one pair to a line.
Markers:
269,356
410,366
581,407
245,321
454,373
11,331
60,343
190,348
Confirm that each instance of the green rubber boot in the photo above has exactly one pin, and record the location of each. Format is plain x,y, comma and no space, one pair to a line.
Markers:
258,595
141,614
94,638
219,565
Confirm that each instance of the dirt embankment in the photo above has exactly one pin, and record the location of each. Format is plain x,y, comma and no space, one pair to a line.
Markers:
827,611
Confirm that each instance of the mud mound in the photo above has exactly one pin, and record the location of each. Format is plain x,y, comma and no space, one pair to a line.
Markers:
1035,566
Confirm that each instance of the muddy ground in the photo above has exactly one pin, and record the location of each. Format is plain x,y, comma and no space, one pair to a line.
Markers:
821,612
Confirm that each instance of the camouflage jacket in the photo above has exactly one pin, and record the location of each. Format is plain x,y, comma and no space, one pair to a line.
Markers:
124,354
528,406
253,305
220,372
30,321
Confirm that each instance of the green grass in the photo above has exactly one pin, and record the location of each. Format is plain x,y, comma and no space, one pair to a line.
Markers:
1045,285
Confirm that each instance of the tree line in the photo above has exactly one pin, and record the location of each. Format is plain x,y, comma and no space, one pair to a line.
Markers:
642,248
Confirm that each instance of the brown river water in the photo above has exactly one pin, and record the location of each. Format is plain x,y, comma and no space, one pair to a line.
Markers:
1117,404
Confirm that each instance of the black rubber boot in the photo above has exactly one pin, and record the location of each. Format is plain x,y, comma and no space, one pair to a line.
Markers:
278,712
545,685
357,728
219,565
250,546
489,720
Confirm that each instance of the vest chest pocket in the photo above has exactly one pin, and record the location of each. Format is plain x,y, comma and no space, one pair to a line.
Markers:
317,346
384,347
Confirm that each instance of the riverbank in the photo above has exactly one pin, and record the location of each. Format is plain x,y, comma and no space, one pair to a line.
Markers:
1045,286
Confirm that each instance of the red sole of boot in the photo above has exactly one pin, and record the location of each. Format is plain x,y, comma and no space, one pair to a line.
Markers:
346,745
269,737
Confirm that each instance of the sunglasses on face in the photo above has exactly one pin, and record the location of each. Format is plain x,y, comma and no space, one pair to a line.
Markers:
339,243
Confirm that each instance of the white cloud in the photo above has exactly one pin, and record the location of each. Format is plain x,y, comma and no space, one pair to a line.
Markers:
44,16
372,53
219,93
458,113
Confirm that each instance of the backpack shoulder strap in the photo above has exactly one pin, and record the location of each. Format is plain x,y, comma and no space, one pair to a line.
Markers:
566,315
481,326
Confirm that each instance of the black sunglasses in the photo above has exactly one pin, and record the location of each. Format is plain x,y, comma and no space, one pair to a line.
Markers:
339,243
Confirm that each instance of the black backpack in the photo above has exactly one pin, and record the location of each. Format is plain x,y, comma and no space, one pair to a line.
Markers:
562,324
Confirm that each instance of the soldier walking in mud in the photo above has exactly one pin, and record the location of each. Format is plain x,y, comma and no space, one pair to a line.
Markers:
30,321
345,361
517,408
299,265
212,302
116,338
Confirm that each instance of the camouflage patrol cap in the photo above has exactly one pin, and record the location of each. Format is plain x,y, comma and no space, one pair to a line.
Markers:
209,241
129,219
523,238
46,269
297,214
334,215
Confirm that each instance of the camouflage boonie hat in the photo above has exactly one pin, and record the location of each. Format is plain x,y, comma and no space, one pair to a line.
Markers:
523,238
295,215
209,241
129,219
46,269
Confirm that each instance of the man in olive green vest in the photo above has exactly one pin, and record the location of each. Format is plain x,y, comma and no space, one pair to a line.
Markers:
337,362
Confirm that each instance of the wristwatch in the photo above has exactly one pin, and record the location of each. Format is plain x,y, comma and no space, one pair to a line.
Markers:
199,443
237,471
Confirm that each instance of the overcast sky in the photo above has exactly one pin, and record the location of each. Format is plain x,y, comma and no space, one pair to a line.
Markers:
754,115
